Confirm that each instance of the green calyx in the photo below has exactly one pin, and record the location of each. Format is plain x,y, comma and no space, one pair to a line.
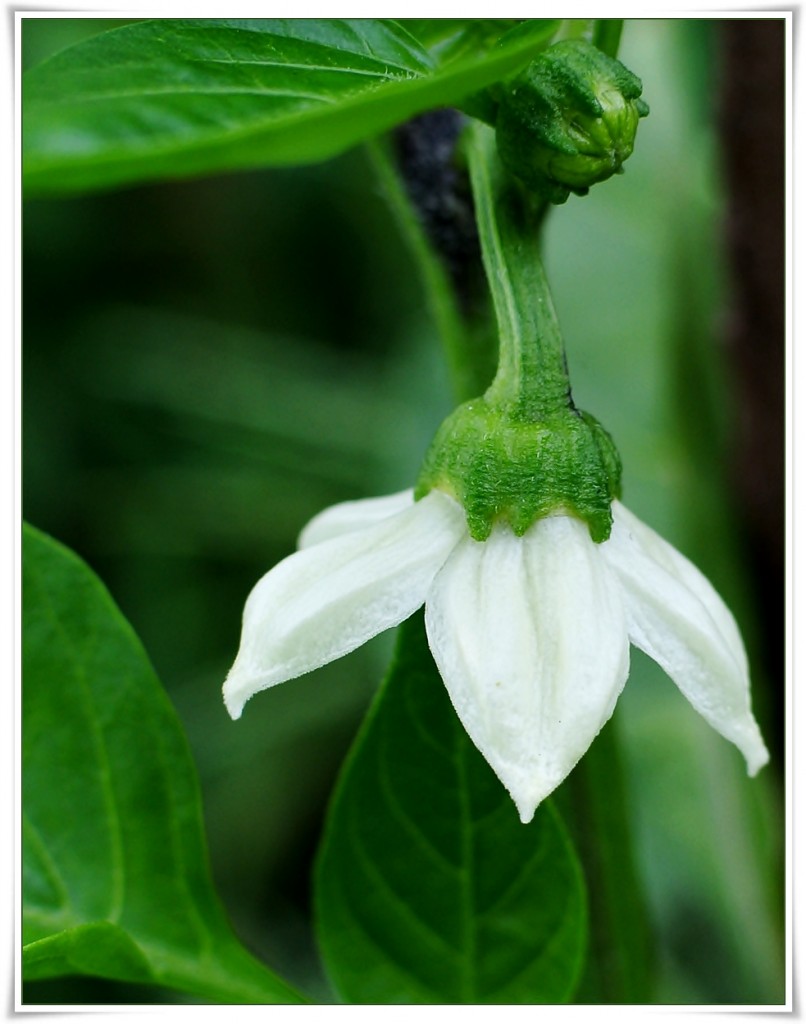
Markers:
502,468
569,120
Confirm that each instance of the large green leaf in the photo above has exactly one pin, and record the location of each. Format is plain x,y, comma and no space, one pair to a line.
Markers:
115,874
429,889
168,98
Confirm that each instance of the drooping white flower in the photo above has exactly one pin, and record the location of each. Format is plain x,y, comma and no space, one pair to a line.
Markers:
531,634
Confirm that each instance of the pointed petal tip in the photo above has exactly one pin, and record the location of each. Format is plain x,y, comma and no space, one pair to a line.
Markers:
234,708
750,742
529,797
234,700
756,758
526,812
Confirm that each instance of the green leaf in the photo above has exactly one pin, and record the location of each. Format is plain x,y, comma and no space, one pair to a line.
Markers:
428,887
115,875
170,98
448,39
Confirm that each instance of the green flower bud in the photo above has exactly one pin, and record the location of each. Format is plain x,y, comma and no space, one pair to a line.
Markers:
501,467
569,120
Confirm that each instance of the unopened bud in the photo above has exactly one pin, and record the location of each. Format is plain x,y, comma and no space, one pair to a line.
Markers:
569,120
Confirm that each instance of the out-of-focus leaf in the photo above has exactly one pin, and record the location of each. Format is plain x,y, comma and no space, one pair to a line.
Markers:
169,98
449,39
42,37
115,874
429,889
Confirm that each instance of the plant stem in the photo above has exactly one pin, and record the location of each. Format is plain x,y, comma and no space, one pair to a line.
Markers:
532,378
607,35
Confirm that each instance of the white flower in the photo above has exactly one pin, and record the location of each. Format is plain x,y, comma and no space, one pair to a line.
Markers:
530,634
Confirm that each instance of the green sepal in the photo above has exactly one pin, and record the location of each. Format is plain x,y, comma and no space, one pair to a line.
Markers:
500,468
569,120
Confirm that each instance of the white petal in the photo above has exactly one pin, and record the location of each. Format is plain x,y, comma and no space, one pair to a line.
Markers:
677,617
353,515
530,637
318,604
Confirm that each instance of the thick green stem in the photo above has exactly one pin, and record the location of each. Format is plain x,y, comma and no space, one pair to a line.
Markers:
607,35
532,380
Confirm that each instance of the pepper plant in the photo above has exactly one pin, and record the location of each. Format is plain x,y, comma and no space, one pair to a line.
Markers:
478,845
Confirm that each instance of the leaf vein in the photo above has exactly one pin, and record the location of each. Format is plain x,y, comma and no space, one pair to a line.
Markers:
408,823
404,908
54,873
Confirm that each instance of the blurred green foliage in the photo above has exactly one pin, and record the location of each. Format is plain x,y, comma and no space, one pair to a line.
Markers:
207,364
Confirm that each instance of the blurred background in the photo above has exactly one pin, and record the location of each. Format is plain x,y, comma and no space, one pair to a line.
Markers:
207,364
